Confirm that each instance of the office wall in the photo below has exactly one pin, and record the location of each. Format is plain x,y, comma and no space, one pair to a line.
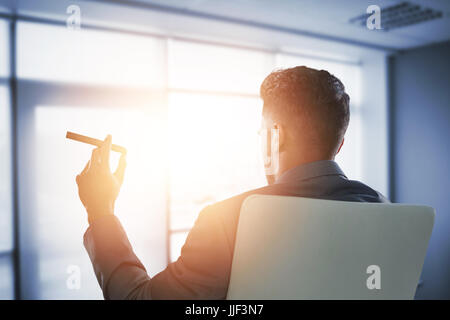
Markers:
420,123
374,133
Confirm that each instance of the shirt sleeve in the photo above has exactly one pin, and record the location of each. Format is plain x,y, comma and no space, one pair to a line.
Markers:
201,272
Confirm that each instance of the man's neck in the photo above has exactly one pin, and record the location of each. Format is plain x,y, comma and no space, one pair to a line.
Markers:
287,163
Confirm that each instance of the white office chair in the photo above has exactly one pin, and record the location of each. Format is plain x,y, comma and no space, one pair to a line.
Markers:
298,248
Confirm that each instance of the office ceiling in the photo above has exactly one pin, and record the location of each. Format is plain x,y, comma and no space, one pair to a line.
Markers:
328,18
283,20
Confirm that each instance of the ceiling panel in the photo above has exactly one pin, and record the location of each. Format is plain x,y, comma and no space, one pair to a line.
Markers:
325,17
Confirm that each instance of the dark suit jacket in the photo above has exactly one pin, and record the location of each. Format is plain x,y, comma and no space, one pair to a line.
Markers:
203,269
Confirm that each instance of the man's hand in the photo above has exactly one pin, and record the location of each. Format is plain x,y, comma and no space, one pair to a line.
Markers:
98,188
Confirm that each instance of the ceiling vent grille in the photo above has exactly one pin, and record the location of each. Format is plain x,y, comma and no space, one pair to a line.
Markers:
400,15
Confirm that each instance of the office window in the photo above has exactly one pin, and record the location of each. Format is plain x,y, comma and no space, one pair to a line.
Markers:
6,236
214,148
6,209
4,49
6,190
214,152
177,239
58,219
89,57
207,67
87,82
6,278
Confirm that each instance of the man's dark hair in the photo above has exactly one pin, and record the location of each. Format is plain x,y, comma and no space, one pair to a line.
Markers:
312,101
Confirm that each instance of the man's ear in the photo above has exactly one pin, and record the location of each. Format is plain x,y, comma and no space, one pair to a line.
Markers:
281,136
342,143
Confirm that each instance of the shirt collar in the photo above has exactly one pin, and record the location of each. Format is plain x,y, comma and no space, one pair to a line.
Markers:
310,170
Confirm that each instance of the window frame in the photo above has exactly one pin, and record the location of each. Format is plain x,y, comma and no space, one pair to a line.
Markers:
8,80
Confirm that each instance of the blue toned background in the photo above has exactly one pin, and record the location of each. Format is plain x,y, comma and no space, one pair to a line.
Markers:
420,109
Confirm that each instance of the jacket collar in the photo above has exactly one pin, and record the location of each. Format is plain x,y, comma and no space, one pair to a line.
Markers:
310,170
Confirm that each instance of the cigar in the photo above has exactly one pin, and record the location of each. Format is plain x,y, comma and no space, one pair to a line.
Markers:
93,141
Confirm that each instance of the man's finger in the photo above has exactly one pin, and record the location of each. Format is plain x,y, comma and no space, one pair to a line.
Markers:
95,158
105,150
120,171
86,167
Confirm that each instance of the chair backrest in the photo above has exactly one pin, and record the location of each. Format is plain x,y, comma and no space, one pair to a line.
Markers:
299,248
